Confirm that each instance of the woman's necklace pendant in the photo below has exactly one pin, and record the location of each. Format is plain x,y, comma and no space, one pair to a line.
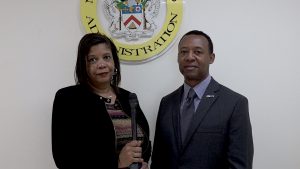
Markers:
107,100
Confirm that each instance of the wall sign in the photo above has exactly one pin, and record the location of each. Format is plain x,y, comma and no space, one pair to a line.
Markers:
141,29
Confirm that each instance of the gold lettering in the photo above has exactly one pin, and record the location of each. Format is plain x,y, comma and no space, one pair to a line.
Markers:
94,29
90,1
122,50
129,52
156,45
90,19
162,36
171,30
137,52
175,15
147,48
92,25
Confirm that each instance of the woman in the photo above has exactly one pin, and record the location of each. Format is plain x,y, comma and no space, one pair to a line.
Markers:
91,121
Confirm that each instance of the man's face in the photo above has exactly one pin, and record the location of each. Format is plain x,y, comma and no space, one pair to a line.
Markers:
194,58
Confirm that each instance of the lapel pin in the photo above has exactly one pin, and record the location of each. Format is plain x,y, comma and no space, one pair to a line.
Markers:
210,96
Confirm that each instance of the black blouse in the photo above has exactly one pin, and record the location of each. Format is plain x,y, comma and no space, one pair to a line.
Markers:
83,134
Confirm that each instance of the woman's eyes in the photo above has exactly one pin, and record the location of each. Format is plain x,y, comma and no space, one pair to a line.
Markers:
108,57
91,60
95,59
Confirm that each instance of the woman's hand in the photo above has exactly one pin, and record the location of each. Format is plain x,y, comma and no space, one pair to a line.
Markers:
130,153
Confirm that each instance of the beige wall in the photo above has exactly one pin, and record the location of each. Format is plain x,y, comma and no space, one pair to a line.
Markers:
257,54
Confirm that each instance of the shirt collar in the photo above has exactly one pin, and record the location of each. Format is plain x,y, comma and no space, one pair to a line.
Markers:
199,88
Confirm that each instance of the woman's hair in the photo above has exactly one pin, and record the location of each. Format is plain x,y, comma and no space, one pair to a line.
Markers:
85,44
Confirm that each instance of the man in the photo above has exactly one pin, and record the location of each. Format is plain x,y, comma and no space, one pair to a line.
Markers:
207,127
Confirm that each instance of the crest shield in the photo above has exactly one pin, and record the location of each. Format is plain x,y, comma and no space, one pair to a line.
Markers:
132,18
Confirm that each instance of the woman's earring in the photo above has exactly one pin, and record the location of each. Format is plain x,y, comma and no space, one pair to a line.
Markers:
114,77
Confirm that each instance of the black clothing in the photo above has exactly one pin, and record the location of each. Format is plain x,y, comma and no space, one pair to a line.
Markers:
83,134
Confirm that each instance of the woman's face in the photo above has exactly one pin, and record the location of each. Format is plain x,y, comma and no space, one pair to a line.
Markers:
100,65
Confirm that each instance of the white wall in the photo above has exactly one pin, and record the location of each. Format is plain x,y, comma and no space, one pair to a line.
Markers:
257,54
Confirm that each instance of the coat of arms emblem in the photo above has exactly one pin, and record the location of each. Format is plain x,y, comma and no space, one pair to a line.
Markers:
141,29
131,19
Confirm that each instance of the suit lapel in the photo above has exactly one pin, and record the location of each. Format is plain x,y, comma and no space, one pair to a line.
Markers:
206,102
176,116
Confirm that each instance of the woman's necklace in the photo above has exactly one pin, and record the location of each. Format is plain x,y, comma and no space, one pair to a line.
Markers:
106,95
106,99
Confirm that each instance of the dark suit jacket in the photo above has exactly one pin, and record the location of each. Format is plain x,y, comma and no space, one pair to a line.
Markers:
83,134
219,136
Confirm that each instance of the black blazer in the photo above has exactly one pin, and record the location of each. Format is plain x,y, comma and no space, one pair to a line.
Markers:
219,136
83,135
